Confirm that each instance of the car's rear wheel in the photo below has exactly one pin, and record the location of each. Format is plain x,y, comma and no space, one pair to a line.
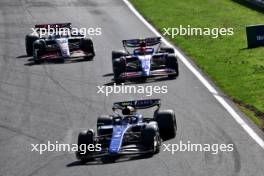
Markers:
151,139
86,45
29,40
169,50
172,63
85,138
167,124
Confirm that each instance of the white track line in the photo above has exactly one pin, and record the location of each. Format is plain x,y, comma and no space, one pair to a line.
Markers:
220,99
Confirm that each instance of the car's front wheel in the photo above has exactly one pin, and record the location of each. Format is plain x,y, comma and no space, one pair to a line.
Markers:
86,45
167,124
172,63
118,54
85,138
39,49
29,40
119,67
151,138
104,120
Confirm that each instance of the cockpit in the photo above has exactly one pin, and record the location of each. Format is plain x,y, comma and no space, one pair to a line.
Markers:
129,116
143,51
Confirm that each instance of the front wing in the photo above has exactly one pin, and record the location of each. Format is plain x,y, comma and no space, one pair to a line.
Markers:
57,55
125,150
154,73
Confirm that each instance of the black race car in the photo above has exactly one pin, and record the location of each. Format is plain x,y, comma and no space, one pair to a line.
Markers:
145,60
129,132
59,46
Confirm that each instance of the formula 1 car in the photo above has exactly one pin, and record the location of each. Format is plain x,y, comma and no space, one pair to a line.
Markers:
129,133
145,60
58,45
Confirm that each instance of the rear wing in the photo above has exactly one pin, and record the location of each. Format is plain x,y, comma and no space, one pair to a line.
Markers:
138,104
53,26
133,43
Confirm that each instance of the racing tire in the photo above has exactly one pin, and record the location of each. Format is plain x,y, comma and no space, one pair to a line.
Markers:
167,124
104,120
86,45
29,40
167,50
87,138
39,49
172,63
151,138
118,54
119,67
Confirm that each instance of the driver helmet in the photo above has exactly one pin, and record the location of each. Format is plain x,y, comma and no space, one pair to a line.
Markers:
142,47
128,110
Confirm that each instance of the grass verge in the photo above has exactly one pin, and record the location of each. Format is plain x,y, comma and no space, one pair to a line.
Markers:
238,71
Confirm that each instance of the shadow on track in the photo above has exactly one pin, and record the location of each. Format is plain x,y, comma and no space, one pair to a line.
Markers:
109,160
22,56
30,61
108,74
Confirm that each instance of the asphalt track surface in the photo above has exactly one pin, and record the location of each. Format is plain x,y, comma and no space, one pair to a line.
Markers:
52,101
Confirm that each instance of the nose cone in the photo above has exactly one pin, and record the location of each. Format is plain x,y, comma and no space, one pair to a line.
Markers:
114,146
64,47
145,64
117,139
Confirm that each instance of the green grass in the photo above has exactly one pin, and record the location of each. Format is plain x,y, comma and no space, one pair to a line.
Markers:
252,116
238,71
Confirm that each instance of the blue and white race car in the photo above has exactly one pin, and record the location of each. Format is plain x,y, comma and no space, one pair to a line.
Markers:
58,46
144,61
129,132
